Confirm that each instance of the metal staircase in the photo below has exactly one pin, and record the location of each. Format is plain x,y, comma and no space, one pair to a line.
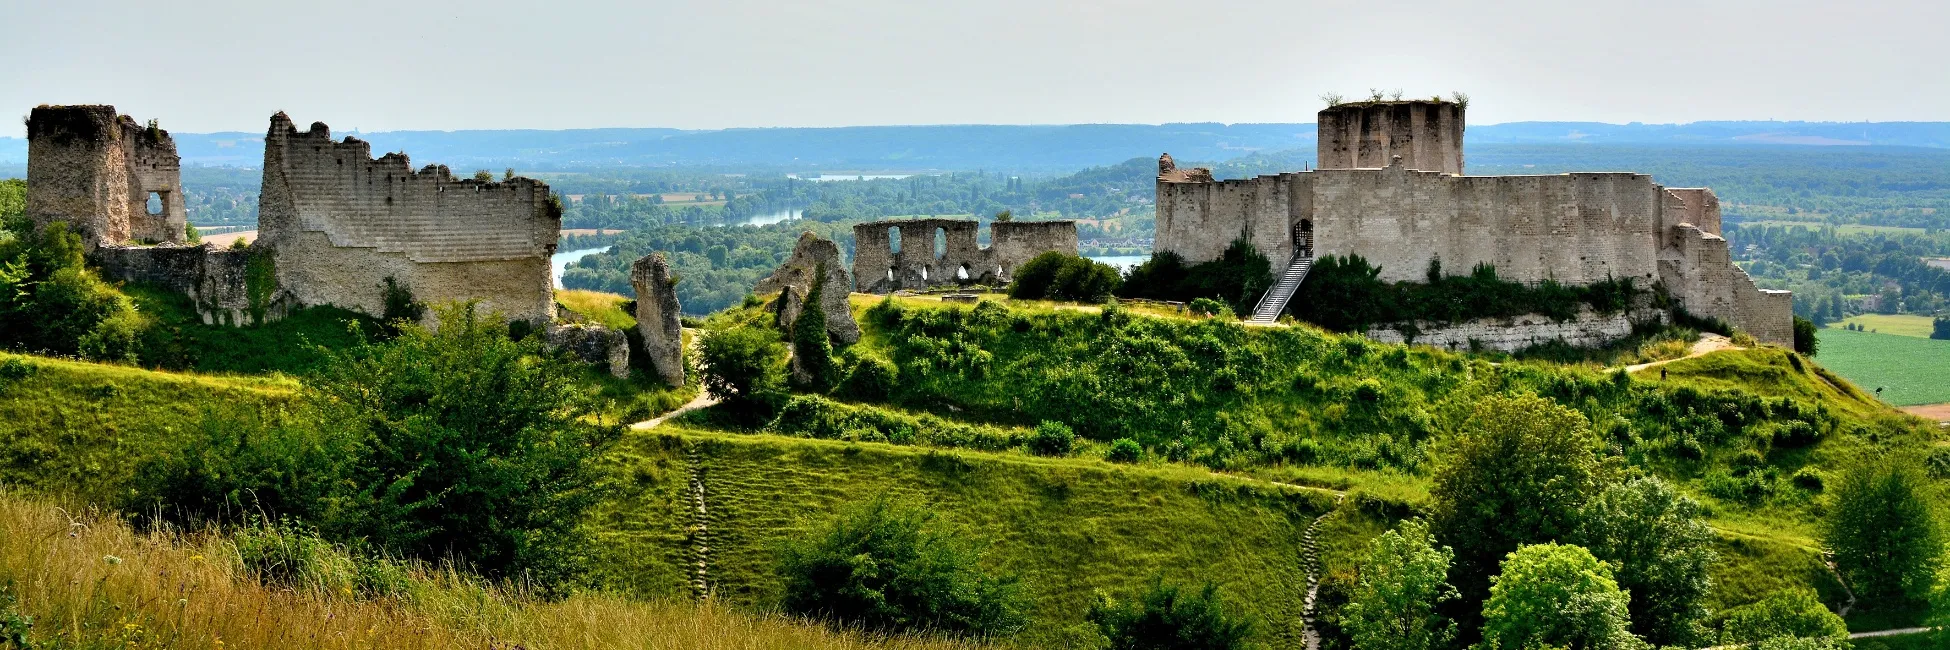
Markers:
1274,302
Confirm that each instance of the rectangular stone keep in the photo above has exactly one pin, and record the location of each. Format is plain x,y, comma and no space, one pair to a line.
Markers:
95,170
1426,134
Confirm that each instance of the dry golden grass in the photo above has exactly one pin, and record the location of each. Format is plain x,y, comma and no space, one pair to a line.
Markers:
90,581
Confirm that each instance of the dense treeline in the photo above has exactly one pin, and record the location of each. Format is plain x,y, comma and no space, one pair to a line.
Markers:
1346,294
1825,269
716,266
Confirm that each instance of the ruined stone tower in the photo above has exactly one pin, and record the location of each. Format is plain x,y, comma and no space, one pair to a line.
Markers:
97,170
1427,134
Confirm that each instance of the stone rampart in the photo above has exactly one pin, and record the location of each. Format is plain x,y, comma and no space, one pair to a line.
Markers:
341,222
96,170
878,267
1589,329
219,282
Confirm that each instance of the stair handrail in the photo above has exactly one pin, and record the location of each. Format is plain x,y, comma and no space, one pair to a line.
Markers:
1268,295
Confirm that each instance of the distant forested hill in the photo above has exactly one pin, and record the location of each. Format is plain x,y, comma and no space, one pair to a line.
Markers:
1016,148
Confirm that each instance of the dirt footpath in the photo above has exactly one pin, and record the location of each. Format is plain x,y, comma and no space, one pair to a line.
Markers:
1933,412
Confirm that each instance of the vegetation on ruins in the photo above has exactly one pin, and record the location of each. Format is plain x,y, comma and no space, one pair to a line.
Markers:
886,566
1345,294
812,349
1237,278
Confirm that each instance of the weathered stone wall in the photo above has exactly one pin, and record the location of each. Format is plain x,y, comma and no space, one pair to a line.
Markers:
1573,228
1427,134
218,281
592,344
95,169
340,222
878,268
1588,329
657,320
794,281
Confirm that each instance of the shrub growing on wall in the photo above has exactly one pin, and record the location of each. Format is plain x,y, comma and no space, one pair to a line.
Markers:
1347,294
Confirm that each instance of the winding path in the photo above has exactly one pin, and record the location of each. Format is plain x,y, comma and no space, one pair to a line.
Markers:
703,399
1707,343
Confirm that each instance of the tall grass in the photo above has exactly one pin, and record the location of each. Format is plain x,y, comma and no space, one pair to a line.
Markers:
90,581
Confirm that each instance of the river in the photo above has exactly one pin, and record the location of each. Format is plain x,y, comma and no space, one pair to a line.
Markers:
560,261
1122,262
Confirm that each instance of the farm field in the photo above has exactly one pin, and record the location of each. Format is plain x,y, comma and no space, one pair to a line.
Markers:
1910,370
1842,229
1898,324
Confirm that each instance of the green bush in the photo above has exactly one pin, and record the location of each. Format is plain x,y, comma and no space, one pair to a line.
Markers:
1059,276
1052,438
1403,580
886,567
1804,336
812,416
1124,450
243,460
869,377
1237,278
470,446
285,554
1793,612
744,367
50,301
1206,307
1346,294
1556,596
1166,617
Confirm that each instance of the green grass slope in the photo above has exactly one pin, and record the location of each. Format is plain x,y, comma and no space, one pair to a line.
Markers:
1910,370
81,428
1068,527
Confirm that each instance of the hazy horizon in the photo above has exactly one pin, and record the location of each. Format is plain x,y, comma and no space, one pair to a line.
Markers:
201,67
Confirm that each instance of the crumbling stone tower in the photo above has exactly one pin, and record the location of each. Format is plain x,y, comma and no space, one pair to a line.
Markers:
1427,134
97,170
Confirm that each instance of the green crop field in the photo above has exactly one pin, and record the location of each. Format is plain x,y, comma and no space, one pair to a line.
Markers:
1843,229
1898,324
1910,370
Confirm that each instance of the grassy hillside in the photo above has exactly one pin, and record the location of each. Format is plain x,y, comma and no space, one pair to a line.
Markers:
81,428
1910,370
88,581
1068,527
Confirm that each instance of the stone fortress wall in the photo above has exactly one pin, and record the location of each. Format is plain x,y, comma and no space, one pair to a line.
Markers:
341,222
879,268
1574,228
96,170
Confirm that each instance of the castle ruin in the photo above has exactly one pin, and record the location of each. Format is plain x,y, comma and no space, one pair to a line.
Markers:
334,224
901,253
341,222
97,171
1390,189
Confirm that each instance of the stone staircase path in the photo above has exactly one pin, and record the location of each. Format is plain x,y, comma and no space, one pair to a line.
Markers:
1310,557
700,527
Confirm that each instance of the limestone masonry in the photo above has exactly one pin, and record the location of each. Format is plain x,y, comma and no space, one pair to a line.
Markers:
657,317
341,222
97,171
333,223
880,267
1416,206
794,280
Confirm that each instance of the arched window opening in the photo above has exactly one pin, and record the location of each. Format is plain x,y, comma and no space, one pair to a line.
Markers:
155,204
961,274
940,243
924,274
1303,237
894,240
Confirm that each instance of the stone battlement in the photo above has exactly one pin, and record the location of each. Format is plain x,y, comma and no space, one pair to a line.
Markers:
342,221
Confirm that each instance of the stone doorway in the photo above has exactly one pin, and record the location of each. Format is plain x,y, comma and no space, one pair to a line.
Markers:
1303,238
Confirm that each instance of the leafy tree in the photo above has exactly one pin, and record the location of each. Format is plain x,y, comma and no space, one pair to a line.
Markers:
1517,474
1005,216
887,567
1804,336
1662,549
1402,581
743,368
191,235
1238,277
1883,532
483,175
1556,596
13,198
1124,450
471,445
51,301
1788,613
812,348
1166,617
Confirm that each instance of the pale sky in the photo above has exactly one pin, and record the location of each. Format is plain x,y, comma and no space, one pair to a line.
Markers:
201,66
